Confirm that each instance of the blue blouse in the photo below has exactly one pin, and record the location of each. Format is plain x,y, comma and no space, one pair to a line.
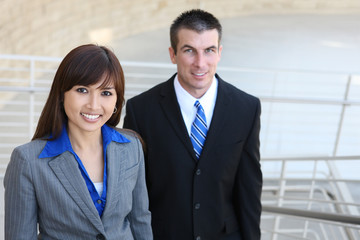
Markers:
62,144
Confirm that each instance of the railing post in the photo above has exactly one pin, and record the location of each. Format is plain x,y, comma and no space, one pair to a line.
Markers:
345,193
32,98
282,186
342,115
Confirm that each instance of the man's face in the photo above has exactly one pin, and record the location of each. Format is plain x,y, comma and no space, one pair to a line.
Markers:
196,57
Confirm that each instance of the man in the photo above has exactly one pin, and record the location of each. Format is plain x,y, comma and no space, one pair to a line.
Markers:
204,178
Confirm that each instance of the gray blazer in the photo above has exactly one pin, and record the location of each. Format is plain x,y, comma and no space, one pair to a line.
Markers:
52,193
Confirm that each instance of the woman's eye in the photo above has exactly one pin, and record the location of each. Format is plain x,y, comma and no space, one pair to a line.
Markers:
106,93
81,90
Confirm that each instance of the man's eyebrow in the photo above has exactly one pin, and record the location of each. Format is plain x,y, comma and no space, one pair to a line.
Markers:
186,46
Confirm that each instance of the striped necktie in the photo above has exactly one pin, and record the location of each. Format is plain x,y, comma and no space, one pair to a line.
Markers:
198,130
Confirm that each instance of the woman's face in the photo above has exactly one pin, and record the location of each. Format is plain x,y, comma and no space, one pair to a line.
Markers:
88,108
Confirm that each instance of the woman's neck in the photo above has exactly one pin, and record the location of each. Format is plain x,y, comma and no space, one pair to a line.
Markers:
84,141
88,146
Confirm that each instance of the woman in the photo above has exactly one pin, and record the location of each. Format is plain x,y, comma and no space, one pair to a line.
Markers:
79,177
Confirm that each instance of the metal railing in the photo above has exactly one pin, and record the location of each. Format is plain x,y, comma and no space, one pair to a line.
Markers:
297,204
317,200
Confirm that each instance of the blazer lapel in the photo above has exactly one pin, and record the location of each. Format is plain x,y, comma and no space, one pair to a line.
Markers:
67,171
115,155
172,112
222,111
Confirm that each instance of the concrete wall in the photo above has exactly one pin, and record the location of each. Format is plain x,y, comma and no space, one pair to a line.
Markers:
53,27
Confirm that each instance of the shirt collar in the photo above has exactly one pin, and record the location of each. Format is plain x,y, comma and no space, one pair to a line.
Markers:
186,100
62,143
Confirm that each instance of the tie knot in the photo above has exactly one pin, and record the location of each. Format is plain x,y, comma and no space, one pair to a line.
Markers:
197,104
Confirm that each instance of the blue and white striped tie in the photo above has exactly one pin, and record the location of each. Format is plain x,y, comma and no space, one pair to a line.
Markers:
198,130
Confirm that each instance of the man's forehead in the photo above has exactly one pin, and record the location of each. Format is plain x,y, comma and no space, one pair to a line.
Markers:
207,38
192,31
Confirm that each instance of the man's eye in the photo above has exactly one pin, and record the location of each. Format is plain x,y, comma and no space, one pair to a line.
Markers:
188,50
81,90
106,93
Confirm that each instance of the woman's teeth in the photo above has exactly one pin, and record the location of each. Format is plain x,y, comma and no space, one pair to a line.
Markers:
89,116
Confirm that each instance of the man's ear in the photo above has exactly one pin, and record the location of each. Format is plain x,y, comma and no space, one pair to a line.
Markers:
172,55
220,50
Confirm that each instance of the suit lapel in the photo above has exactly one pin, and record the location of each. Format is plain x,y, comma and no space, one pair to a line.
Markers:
67,171
115,155
172,112
221,114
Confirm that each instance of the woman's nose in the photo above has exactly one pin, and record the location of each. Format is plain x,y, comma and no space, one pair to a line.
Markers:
93,101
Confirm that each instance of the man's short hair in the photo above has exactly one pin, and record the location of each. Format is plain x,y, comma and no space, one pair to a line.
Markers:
197,20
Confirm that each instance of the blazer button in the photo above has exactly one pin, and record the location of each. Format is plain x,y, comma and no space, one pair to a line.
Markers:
100,237
198,238
198,172
197,206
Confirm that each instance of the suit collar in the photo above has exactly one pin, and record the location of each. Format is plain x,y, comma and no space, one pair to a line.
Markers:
116,156
172,111
66,169
171,108
222,112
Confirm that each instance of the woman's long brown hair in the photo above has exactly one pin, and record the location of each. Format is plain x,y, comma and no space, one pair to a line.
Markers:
84,65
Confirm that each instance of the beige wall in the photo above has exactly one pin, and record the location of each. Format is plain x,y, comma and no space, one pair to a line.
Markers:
52,28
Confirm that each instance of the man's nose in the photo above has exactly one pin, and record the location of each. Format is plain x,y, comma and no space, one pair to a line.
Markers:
200,60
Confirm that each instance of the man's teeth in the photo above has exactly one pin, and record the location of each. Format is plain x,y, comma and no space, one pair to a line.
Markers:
90,116
199,74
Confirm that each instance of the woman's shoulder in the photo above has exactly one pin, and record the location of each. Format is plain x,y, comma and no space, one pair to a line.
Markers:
131,135
32,148
128,133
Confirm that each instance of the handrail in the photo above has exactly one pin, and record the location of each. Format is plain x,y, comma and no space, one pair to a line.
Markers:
23,89
263,98
333,217
170,65
322,101
311,158
299,199
29,57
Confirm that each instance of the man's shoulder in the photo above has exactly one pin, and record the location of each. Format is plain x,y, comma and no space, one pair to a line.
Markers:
152,92
231,90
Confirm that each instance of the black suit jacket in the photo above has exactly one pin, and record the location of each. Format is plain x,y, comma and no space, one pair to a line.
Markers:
217,196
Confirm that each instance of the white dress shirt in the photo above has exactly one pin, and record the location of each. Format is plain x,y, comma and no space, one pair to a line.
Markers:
187,101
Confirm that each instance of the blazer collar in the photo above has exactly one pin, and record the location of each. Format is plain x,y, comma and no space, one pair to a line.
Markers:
116,156
222,112
66,169
172,111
